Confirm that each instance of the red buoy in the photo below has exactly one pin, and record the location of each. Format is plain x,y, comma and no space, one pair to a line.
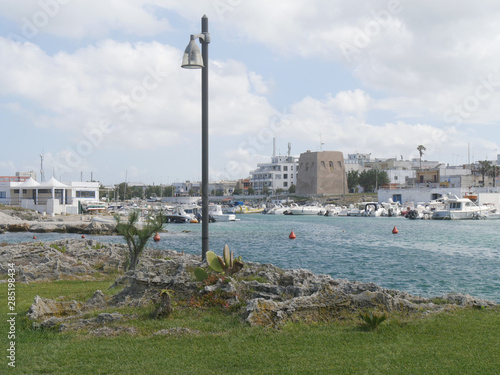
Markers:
83,236
395,230
156,238
292,235
34,237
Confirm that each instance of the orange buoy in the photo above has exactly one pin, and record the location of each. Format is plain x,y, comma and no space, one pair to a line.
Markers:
34,237
83,236
395,230
194,221
292,235
156,238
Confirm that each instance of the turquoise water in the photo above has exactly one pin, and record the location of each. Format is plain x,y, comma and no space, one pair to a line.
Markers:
427,257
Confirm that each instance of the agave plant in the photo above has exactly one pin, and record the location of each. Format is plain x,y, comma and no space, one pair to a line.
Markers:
226,264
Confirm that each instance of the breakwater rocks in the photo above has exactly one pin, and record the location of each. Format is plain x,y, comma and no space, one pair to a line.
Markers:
264,294
27,221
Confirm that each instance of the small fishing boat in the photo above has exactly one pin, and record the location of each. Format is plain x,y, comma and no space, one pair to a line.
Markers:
456,208
215,211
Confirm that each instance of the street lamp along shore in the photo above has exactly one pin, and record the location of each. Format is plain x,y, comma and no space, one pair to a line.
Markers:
192,59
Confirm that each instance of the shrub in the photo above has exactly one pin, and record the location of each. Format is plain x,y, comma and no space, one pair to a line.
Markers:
372,319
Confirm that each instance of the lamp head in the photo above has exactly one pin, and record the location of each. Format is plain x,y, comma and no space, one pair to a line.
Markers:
192,56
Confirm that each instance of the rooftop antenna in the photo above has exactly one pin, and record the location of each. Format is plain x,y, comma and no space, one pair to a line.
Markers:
289,148
320,142
42,175
274,148
468,153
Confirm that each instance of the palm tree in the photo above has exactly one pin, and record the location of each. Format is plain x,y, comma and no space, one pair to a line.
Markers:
484,168
421,149
494,172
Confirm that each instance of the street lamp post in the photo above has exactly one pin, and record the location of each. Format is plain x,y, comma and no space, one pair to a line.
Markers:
192,59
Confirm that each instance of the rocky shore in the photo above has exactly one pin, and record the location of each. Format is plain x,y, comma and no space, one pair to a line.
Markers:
264,294
30,221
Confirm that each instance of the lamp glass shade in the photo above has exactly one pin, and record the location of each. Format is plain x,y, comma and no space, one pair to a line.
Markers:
192,56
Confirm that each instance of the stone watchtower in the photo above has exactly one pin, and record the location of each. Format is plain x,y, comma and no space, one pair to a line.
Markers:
321,173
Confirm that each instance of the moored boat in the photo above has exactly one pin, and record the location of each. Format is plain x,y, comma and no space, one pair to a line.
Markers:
244,209
215,211
456,208
313,208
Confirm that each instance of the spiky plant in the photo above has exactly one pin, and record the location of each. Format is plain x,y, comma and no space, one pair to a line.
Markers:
372,319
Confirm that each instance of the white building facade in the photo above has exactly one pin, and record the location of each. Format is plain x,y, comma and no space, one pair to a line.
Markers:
51,197
280,173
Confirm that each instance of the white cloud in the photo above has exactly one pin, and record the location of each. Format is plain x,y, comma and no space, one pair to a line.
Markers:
82,19
420,72
127,95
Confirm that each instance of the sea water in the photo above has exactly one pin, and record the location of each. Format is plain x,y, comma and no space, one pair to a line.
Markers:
427,257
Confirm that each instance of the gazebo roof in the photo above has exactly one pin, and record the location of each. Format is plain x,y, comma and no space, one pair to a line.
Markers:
30,183
53,183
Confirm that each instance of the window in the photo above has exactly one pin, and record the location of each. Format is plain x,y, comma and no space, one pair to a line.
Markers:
330,164
3,194
291,168
85,194
307,167
285,184
395,178
285,168
323,165
397,198
285,176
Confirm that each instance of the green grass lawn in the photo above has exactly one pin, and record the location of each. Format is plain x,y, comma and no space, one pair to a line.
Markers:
458,342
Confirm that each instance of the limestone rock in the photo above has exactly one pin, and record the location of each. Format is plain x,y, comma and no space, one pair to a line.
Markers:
467,300
21,227
43,308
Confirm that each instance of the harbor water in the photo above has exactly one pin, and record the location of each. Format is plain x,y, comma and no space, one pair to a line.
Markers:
427,257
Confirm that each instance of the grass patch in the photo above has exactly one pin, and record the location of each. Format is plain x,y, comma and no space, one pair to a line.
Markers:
457,342
59,248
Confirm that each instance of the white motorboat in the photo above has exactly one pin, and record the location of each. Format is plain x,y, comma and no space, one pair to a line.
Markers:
359,209
92,207
278,209
313,208
215,210
331,210
182,214
391,208
373,209
344,211
456,208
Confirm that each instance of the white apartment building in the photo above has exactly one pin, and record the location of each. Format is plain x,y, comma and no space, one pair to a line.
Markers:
280,173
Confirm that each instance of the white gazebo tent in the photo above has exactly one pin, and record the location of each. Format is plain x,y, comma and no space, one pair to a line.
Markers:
49,197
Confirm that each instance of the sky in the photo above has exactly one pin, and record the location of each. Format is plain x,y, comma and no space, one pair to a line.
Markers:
96,87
